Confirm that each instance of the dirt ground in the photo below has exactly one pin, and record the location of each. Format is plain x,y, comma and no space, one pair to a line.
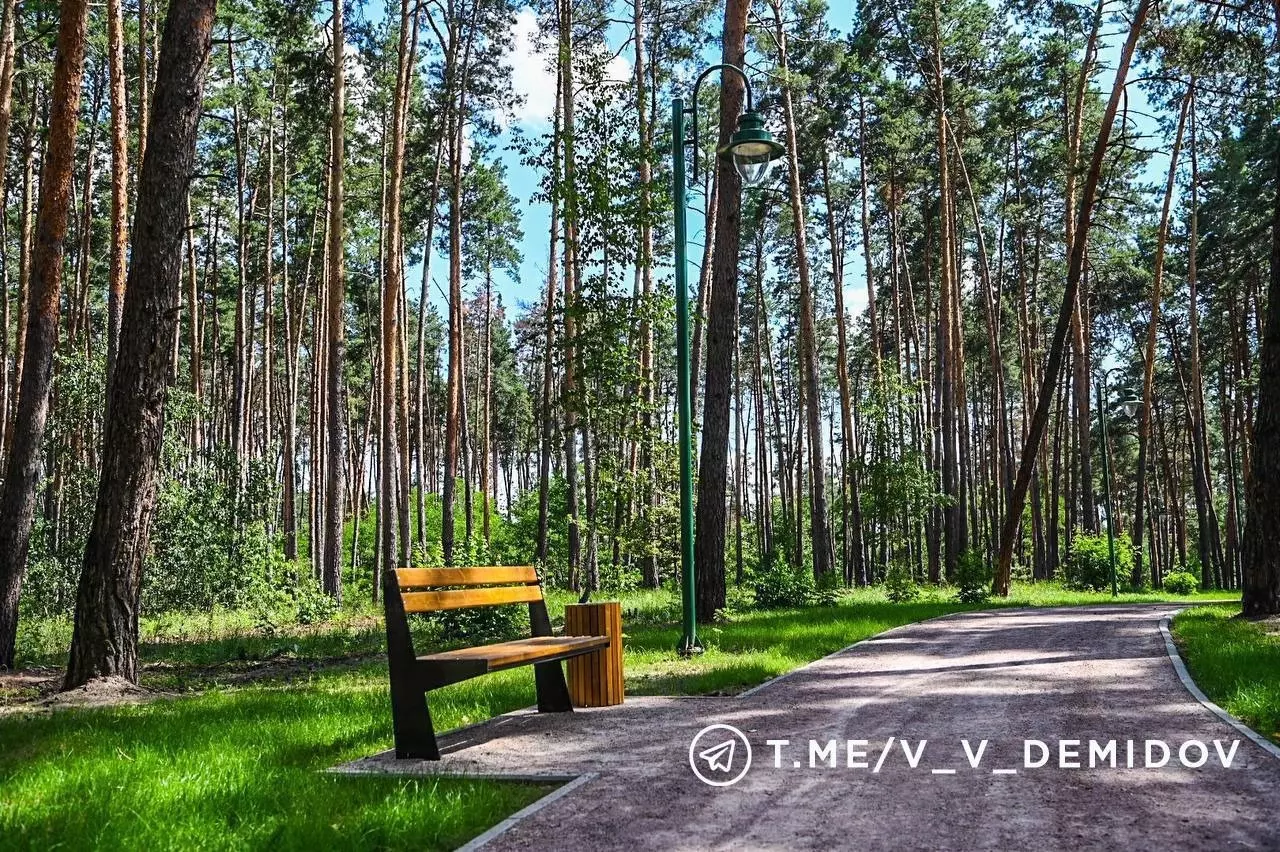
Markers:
37,688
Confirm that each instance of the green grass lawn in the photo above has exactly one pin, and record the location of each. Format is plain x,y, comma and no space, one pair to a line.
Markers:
1235,662
236,763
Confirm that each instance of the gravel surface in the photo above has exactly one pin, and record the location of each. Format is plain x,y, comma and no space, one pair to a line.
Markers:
1096,673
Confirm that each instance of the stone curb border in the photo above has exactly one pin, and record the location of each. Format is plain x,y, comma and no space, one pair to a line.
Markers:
1181,668
507,824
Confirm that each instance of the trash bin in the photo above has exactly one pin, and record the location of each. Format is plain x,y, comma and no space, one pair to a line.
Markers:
595,679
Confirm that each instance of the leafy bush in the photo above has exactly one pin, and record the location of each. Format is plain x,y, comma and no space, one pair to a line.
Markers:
973,577
313,605
1181,582
899,584
483,624
210,545
738,600
1088,566
828,589
781,585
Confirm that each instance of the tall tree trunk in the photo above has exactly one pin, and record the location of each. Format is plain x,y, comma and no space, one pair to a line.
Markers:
486,411
570,272
851,522
425,372
713,459
105,641
1074,109
811,388
1149,356
644,269
1210,540
393,292
1053,366
335,310
950,397
549,336
1260,549
119,178
22,472
452,438
7,59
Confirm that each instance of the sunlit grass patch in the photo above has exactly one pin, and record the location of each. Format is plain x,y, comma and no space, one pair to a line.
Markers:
1236,662
240,769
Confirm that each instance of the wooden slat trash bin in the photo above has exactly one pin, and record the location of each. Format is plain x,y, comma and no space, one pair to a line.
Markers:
595,679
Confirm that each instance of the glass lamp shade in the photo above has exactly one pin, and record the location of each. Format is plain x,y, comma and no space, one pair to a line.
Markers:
1130,407
752,149
752,170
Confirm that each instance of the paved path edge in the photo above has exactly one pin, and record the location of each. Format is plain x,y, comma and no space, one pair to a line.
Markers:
480,840
1198,694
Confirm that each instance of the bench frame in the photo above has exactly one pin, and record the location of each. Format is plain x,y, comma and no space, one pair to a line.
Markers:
412,677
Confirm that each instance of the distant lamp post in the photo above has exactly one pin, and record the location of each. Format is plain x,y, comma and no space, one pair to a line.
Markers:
1128,407
752,150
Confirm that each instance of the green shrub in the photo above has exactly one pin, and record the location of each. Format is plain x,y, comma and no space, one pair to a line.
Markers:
829,588
899,584
1088,566
483,624
313,605
781,585
973,577
1181,583
738,600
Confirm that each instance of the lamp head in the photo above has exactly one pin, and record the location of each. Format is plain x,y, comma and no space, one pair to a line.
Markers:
752,149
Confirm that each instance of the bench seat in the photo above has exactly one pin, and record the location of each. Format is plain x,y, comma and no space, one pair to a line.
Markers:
521,652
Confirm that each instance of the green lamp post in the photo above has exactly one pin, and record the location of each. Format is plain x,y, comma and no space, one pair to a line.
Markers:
753,150
1128,407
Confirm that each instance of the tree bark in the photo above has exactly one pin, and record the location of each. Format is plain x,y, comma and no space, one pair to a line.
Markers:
1053,366
335,427
1260,549
570,273
1149,356
713,459
811,389
549,337
119,178
105,641
22,472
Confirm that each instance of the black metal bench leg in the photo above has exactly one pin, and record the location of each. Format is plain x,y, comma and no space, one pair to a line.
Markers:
411,717
553,693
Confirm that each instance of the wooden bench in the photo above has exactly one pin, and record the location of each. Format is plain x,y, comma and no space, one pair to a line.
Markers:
418,590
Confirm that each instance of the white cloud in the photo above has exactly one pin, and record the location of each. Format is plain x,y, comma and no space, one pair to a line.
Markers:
531,75
620,69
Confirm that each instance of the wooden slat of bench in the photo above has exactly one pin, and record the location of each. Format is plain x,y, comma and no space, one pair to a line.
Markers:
410,578
522,651
464,598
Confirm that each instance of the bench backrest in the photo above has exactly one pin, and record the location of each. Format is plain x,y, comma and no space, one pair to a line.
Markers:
418,590
429,589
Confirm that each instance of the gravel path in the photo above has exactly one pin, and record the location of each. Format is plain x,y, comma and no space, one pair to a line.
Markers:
918,692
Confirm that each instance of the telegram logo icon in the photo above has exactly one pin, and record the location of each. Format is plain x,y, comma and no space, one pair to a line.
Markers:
720,755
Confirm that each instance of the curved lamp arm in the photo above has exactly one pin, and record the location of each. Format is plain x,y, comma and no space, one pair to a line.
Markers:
693,107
